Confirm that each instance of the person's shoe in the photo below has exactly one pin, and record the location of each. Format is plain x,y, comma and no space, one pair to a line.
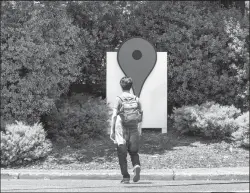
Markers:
125,181
137,170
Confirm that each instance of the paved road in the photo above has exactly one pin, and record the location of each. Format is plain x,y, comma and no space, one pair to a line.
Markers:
19,185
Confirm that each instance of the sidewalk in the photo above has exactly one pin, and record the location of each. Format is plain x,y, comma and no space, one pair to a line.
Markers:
238,173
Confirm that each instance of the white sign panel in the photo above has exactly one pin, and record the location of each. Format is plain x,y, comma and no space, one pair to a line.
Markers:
153,94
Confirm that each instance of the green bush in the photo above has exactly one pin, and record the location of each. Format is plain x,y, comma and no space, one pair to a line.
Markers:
41,54
241,135
77,118
21,144
209,120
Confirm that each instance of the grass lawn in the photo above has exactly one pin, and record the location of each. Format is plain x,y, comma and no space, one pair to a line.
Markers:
157,151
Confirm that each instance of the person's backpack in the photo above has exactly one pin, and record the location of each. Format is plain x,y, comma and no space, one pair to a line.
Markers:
129,111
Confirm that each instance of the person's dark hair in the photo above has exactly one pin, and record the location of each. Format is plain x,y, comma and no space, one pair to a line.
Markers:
126,83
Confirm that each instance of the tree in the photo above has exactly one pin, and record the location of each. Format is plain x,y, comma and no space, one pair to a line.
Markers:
101,23
41,56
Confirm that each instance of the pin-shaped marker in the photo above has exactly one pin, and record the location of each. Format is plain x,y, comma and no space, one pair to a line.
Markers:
137,58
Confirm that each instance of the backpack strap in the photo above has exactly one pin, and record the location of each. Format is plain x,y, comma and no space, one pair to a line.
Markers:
120,98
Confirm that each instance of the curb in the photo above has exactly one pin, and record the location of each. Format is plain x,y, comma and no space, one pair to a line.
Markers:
212,174
241,173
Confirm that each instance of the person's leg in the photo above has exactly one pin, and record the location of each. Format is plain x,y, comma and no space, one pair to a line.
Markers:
133,148
122,156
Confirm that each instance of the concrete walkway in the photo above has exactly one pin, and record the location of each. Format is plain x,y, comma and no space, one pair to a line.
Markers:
237,173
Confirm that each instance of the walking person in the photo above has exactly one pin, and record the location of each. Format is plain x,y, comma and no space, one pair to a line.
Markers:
126,129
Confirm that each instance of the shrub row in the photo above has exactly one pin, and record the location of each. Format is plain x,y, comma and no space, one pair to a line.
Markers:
211,120
77,118
241,135
81,117
73,121
21,143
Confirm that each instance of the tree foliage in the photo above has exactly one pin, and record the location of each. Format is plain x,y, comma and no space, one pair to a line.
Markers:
207,45
100,25
41,55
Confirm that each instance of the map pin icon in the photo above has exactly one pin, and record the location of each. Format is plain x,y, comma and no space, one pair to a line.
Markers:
137,58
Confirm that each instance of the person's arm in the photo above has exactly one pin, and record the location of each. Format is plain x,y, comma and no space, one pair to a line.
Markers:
139,128
113,119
